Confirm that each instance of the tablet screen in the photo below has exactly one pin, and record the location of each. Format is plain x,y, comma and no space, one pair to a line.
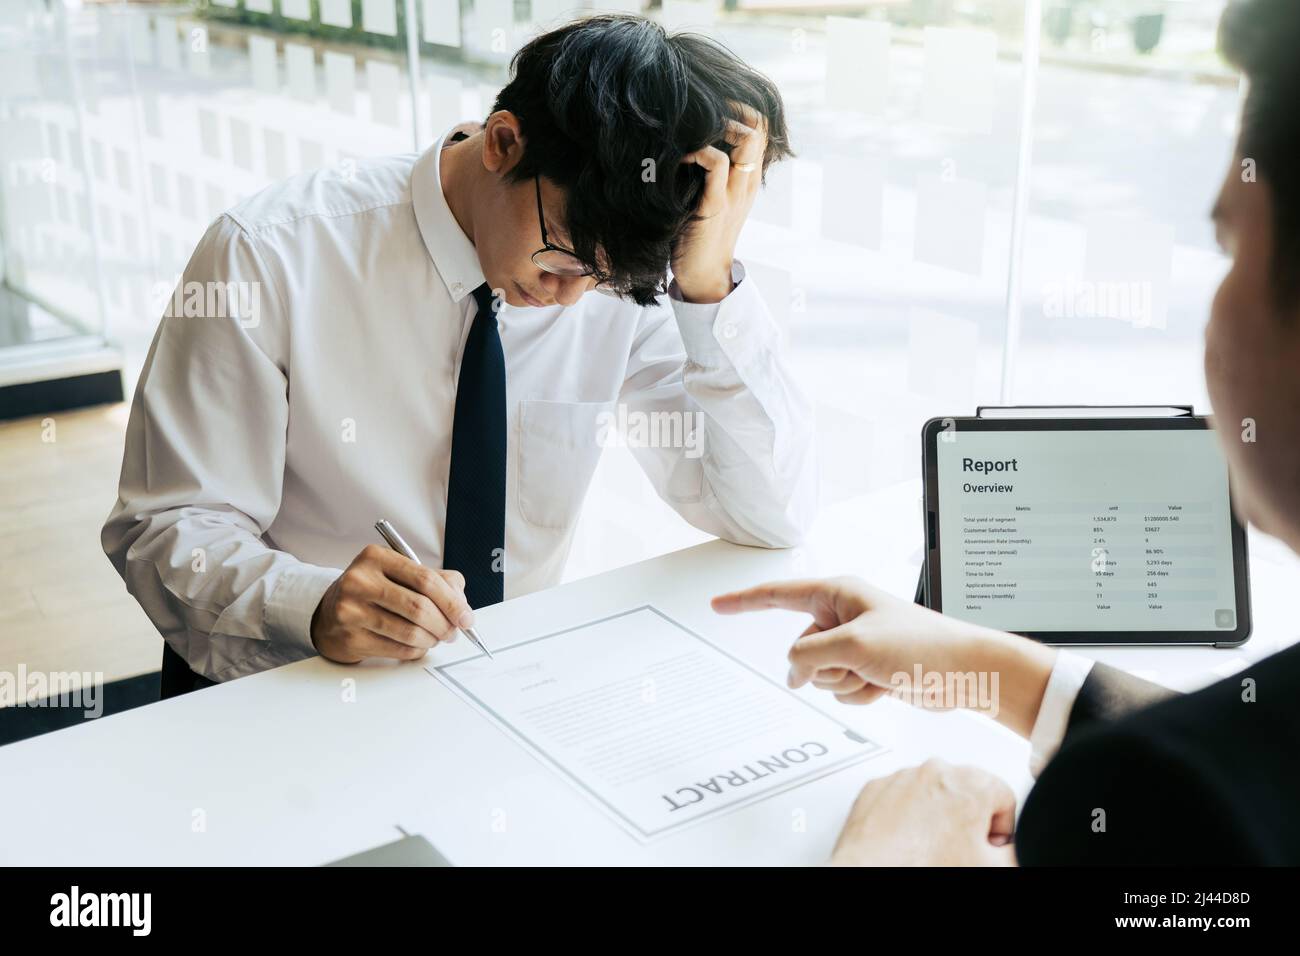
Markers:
1086,530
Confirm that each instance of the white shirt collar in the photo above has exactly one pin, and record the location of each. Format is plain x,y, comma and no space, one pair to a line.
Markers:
452,253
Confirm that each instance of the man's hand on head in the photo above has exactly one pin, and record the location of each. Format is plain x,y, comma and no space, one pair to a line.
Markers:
702,261
386,605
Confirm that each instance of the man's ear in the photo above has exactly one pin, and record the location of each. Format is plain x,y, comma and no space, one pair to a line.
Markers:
503,142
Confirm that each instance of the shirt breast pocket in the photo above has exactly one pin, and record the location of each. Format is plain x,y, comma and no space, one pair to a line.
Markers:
559,447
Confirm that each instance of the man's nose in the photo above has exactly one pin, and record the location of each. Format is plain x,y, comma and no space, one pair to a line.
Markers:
567,290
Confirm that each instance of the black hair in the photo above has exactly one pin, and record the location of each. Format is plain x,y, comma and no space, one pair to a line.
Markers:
1262,39
599,98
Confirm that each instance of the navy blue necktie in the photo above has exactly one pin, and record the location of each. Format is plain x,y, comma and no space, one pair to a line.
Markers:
475,539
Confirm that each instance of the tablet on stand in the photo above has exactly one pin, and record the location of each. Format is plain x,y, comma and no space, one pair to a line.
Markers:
1084,525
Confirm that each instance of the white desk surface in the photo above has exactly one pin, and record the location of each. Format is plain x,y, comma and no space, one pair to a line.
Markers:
284,771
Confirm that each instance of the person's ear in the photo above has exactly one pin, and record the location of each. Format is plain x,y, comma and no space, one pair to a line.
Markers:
503,142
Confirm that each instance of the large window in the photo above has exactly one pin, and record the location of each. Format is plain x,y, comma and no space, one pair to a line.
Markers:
993,200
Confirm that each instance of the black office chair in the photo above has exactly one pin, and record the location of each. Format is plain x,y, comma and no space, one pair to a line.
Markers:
177,678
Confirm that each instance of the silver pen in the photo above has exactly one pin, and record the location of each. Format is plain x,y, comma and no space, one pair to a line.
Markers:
394,540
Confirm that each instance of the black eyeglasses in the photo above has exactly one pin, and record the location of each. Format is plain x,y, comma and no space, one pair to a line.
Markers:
565,262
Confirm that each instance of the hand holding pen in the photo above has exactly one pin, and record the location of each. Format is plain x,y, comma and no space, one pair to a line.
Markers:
386,604
389,534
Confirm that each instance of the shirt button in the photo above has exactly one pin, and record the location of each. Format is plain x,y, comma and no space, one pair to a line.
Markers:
457,288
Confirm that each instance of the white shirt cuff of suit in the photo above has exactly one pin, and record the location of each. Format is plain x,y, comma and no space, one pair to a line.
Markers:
705,308
293,601
716,334
1068,674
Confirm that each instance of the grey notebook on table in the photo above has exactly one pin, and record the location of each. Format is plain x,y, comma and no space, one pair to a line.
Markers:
408,851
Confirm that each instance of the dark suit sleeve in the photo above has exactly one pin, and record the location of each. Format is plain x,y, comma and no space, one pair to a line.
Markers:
1126,798
1205,778
1108,694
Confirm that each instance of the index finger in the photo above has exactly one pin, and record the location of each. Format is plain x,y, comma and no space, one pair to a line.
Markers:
799,595
750,117
717,169
751,143
427,581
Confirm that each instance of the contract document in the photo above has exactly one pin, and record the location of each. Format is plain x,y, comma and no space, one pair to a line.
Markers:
651,722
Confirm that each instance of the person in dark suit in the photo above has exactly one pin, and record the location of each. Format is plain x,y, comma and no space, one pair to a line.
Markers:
1210,777
1128,772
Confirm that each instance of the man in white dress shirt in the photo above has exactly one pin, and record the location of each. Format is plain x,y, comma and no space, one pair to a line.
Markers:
275,421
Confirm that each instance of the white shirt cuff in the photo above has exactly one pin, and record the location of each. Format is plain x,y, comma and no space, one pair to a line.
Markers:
293,601
730,332
675,291
1068,674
